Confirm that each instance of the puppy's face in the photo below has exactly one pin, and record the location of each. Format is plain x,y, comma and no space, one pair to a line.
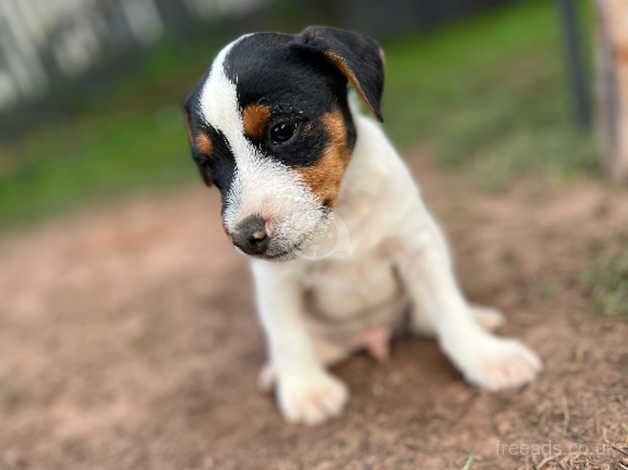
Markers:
270,127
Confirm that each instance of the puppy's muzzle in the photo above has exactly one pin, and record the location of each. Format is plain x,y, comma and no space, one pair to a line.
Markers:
251,235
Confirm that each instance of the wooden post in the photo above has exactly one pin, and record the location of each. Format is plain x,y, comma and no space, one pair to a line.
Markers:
612,82
576,69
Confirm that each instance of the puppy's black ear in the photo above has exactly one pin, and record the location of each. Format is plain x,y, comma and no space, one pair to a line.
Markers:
359,58
201,162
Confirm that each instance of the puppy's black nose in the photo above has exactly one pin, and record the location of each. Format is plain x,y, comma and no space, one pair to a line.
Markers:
250,235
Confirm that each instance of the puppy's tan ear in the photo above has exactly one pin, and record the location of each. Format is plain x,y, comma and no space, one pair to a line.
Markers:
359,58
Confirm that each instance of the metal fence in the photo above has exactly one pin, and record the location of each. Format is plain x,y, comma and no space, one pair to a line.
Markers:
42,41
53,50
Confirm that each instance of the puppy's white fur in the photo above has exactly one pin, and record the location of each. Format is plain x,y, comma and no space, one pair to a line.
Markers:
397,256
260,185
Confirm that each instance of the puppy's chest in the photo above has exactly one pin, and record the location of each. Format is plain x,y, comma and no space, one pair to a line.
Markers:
339,290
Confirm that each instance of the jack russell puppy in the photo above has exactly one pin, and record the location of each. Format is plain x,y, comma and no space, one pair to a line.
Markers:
342,246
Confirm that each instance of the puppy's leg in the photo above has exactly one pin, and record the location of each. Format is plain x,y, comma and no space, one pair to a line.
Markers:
484,359
328,354
488,318
306,392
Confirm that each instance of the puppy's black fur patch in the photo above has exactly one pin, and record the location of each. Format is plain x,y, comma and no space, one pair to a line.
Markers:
301,78
296,86
359,58
219,169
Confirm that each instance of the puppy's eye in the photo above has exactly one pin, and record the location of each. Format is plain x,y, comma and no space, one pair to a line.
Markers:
282,132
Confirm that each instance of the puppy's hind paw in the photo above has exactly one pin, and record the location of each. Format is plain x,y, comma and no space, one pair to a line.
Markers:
502,363
311,399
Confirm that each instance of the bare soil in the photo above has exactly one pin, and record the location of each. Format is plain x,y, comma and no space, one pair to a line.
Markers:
128,340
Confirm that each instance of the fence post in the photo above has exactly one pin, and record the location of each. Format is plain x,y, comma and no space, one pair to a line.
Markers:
612,79
575,63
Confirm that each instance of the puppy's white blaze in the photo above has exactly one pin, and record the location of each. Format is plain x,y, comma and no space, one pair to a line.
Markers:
219,104
261,185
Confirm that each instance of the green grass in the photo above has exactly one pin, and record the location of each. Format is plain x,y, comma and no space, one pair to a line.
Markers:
467,464
133,139
491,95
606,282
488,95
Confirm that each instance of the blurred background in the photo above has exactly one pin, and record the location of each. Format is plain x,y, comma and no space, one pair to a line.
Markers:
90,91
128,337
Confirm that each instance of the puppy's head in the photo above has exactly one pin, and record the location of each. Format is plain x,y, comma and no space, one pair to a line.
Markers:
269,125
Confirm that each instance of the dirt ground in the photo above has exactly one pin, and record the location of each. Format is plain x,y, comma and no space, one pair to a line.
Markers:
128,341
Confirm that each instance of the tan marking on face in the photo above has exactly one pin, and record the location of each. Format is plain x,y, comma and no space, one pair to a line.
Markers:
255,117
204,144
348,73
324,177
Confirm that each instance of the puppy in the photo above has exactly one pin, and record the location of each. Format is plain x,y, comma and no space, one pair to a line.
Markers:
342,246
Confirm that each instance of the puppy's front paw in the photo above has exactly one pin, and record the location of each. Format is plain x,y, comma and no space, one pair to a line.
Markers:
311,398
498,363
